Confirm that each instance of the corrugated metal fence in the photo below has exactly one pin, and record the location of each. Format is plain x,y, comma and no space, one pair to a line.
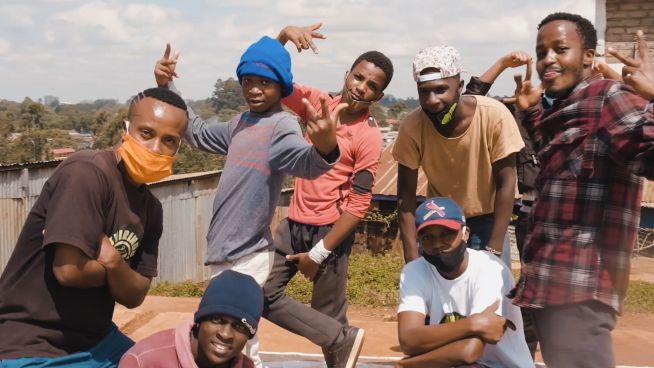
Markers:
187,203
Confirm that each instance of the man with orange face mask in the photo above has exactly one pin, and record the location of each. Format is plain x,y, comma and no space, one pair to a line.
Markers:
90,241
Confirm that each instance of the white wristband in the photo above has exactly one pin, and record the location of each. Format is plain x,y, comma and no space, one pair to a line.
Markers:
318,253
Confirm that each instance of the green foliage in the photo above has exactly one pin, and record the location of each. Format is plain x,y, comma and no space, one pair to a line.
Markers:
374,214
372,281
191,160
227,94
186,288
109,131
379,113
29,129
640,297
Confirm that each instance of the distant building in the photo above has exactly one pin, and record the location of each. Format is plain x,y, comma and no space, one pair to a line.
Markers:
61,153
617,21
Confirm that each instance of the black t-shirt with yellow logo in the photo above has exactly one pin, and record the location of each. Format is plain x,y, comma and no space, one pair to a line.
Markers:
86,197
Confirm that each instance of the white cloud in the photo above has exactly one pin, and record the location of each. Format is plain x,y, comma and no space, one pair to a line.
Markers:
145,13
97,15
4,47
107,48
16,15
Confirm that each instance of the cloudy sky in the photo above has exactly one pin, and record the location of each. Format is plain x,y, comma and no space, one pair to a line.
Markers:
85,50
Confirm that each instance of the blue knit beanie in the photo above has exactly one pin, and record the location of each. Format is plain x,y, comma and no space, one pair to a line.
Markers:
233,294
267,58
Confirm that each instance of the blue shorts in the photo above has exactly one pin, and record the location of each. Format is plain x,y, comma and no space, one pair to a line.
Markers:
104,354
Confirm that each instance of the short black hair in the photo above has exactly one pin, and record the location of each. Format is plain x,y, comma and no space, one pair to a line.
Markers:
162,94
380,60
584,27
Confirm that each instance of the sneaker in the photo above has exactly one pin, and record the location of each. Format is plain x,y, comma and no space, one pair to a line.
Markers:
345,354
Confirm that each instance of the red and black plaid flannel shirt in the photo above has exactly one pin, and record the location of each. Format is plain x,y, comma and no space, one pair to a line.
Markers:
593,146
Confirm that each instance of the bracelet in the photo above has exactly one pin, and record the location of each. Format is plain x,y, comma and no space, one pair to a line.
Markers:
493,251
318,253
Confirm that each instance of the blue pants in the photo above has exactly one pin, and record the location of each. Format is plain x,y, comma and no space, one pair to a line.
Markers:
105,354
480,231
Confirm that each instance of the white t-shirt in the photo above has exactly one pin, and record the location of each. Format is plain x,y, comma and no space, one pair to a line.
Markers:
485,280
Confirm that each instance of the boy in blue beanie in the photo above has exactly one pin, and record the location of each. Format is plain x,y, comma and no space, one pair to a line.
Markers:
262,145
228,315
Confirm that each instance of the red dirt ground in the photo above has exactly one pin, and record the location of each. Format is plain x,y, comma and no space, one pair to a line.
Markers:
633,338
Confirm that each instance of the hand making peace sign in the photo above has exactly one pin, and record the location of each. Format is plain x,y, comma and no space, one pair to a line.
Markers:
638,71
321,128
164,69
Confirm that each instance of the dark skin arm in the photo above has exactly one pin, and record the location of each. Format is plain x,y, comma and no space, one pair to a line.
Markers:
407,184
301,37
126,286
72,268
456,343
458,353
505,177
510,60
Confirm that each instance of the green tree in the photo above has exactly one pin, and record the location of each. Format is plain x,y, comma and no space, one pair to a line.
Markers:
227,94
397,110
191,160
32,115
110,131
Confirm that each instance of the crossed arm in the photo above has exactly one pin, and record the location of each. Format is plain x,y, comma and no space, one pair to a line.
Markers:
72,268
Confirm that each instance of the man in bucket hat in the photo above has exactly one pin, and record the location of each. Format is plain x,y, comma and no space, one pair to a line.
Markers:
466,146
227,317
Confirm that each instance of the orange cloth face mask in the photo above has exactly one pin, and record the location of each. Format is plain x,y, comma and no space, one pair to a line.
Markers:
144,165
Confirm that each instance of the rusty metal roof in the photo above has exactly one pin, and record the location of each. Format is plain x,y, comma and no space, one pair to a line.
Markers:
386,181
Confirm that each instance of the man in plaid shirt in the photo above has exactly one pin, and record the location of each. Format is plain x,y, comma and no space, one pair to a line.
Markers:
594,139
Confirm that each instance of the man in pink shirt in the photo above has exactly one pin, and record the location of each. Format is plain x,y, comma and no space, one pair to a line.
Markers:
227,317
316,238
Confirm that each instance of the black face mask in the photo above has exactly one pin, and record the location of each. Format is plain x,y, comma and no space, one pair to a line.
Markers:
447,262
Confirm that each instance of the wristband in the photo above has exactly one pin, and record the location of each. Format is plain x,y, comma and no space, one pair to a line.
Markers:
493,251
318,253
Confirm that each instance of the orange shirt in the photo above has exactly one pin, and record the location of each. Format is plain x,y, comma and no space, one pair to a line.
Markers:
321,201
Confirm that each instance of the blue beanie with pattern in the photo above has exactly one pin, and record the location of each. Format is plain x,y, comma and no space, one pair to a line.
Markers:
267,58
233,294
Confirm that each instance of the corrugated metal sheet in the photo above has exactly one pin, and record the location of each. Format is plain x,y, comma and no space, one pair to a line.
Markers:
187,202
187,206
13,214
19,190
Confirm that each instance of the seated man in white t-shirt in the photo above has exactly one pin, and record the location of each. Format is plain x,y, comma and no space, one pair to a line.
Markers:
461,293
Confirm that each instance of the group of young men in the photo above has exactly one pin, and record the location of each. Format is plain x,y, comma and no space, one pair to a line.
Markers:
594,137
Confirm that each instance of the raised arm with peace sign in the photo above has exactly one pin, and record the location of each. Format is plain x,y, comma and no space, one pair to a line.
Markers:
164,69
638,71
